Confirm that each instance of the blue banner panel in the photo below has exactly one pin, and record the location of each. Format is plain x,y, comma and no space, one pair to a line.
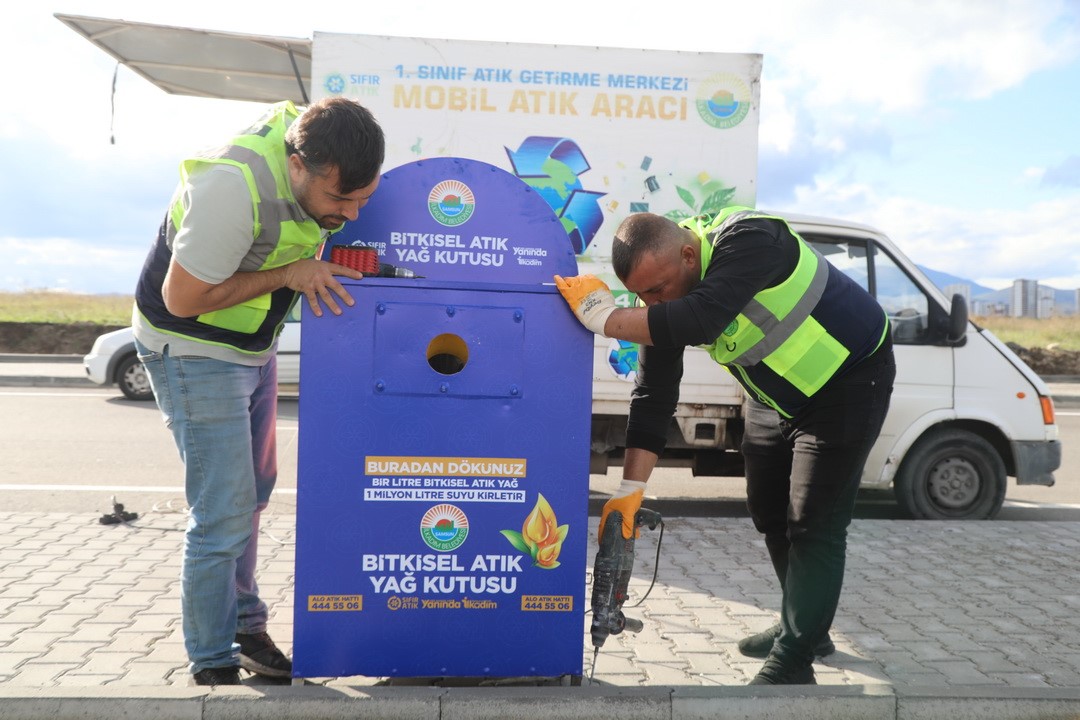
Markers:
458,219
442,524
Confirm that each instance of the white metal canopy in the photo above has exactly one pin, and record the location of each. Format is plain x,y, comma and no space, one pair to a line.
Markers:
205,63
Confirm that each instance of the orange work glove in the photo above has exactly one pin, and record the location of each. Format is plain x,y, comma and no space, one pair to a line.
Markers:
627,500
590,298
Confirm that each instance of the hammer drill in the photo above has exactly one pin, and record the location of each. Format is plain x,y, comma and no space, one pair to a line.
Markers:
611,576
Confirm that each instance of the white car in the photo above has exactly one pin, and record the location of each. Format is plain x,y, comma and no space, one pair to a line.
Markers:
112,361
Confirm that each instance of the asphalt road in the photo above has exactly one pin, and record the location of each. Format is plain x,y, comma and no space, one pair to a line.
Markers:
75,449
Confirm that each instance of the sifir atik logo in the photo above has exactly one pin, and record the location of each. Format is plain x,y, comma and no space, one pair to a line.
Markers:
451,202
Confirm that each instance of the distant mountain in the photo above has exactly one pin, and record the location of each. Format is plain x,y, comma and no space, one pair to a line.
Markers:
942,279
1064,300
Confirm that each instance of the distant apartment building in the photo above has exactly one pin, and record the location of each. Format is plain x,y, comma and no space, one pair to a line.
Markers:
1025,298
962,289
983,308
1046,307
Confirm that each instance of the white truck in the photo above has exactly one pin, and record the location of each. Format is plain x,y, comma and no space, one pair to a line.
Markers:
966,412
604,132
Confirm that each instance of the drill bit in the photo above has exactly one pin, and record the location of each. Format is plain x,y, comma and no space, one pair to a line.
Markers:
592,670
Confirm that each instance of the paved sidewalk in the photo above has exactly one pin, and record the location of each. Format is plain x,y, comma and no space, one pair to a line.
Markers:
938,620
959,619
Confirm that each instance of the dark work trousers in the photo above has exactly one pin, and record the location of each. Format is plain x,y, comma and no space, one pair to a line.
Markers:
802,476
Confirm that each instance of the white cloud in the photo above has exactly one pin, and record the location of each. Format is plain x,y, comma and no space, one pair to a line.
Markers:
778,126
902,55
1032,175
1041,242
835,72
68,264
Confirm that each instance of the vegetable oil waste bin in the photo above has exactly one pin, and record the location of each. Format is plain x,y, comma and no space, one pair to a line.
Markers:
444,426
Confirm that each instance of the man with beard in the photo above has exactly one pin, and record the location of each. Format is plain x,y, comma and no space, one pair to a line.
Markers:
235,251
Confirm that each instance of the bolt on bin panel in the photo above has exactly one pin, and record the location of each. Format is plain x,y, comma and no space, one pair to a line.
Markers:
493,337
443,464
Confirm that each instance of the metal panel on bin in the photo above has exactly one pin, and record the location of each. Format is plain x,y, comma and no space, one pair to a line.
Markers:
444,438
403,331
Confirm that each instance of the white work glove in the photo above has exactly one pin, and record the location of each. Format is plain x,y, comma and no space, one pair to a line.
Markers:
627,500
590,299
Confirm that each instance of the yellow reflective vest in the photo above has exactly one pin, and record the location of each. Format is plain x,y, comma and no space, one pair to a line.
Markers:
282,234
790,339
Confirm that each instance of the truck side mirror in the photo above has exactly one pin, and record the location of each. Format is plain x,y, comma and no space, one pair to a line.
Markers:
958,317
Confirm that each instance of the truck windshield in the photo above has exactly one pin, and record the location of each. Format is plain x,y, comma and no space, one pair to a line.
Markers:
906,305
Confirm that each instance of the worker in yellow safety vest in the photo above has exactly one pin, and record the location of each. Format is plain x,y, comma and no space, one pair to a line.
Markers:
812,350
235,251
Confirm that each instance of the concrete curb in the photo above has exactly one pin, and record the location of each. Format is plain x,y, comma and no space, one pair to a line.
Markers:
40,381
990,703
1061,378
344,702
65,371
32,358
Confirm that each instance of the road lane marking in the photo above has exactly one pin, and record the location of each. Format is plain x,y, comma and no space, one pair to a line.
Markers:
1042,505
84,393
115,488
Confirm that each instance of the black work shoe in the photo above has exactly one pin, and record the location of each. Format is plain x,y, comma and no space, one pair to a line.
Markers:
259,655
217,676
776,672
761,644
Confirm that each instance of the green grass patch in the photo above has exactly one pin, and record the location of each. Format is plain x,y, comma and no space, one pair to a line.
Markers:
1061,332
58,307
38,306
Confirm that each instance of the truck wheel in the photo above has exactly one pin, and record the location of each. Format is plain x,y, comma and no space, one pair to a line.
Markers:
951,475
132,378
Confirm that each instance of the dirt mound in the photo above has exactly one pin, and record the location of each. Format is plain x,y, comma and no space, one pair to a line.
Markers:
50,338
1049,361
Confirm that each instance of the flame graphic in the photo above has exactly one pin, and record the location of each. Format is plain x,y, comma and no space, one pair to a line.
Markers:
541,536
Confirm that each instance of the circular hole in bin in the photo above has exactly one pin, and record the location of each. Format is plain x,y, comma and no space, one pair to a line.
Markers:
447,354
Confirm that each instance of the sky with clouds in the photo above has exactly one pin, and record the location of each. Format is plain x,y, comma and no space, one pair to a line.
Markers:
953,127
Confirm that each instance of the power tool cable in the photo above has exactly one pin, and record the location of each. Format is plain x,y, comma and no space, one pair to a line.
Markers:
656,566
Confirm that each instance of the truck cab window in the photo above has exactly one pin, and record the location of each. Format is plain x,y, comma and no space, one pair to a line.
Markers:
906,305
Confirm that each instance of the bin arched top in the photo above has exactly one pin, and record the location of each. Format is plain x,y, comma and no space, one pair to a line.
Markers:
462,220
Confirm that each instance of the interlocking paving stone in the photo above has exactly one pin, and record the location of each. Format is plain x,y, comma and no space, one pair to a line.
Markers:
934,604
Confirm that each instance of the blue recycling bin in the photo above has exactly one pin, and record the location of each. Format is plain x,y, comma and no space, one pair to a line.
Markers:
444,441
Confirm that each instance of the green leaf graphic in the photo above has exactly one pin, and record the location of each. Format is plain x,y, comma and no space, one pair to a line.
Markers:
717,201
687,196
516,540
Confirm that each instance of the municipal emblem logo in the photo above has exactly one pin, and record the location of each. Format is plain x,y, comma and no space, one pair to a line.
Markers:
723,100
444,528
732,328
451,203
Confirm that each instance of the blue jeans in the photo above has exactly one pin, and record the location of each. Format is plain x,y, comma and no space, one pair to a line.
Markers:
223,418
802,477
